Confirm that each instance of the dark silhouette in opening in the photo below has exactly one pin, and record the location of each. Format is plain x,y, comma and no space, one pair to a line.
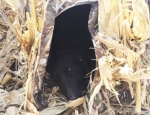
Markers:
70,58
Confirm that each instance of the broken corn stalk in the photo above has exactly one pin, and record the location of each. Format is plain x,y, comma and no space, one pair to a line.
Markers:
124,41
6,79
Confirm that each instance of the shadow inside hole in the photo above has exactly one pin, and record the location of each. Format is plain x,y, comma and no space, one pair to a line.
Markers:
70,57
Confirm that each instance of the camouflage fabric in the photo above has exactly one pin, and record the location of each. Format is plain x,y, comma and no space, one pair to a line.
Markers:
53,9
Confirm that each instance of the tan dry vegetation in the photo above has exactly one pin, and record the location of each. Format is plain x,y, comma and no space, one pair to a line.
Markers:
124,36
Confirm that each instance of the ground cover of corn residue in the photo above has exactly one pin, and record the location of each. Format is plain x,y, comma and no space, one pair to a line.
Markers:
122,82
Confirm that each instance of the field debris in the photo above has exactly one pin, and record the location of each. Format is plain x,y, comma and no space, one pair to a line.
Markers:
122,77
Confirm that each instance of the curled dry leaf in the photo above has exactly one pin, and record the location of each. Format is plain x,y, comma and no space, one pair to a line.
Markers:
11,98
53,111
12,110
75,103
31,107
123,29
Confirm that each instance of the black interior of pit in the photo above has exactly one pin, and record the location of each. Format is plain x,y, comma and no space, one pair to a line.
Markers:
72,24
71,30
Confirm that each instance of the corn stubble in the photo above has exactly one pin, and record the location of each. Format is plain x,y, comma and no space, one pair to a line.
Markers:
123,31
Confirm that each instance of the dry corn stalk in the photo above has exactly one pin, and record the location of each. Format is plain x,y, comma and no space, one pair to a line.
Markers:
6,79
26,30
131,22
126,20
127,23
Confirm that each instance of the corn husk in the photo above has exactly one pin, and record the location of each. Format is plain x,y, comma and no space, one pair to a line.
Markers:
121,45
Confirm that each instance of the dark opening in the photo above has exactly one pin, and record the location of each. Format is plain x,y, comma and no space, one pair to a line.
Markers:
70,58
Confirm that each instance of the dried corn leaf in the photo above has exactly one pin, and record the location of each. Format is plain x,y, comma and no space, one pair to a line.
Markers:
53,111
